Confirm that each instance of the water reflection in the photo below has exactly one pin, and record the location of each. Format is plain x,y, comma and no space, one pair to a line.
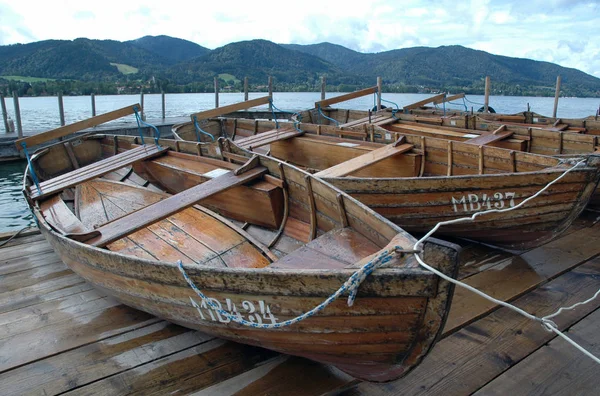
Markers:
14,213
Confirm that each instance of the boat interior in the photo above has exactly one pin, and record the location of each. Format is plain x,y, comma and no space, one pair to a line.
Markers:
142,200
375,153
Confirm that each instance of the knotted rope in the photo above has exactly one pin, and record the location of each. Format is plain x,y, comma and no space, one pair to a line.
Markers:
351,286
353,283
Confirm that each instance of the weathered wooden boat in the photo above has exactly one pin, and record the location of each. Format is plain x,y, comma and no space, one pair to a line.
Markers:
122,214
425,180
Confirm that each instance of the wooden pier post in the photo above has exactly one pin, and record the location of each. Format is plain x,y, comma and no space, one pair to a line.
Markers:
4,114
486,102
379,85
163,102
216,92
61,109
271,93
556,94
245,89
323,87
18,114
142,104
93,97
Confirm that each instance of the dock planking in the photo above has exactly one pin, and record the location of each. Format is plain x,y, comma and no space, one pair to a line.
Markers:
59,335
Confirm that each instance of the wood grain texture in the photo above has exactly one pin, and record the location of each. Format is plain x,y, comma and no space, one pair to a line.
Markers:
345,97
230,108
77,126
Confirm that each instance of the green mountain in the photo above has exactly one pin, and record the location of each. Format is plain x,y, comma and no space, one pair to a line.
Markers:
338,55
456,68
174,49
80,59
257,60
174,65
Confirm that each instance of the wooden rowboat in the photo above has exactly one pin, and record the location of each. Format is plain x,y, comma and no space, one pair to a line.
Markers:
123,214
425,180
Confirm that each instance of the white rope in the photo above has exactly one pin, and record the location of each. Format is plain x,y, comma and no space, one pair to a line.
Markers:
548,324
359,276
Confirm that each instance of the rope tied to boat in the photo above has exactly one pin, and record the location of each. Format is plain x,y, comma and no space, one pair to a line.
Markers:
337,124
30,167
394,111
140,121
351,286
199,130
353,283
545,321
293,113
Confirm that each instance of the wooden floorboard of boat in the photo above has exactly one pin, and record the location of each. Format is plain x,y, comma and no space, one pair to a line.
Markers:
119,350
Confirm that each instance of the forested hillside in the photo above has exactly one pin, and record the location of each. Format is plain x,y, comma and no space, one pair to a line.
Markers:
155,63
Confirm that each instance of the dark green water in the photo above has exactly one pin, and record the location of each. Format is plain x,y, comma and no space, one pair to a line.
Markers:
14,213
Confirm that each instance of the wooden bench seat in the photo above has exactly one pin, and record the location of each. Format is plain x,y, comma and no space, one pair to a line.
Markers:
268,137
489,138
151,214
60,217
96,169
375,119
362,161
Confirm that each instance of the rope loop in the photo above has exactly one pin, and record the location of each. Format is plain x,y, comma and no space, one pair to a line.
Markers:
201,131
139,120
351,285
30,166
337,124
273,108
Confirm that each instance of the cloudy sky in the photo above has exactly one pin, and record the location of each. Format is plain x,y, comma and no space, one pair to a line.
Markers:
559,31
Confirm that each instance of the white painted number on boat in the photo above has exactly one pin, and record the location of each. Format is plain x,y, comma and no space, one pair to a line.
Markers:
388,136
258,312
476,202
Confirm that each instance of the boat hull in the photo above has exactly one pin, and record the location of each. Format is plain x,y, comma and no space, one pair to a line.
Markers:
387,331
418,204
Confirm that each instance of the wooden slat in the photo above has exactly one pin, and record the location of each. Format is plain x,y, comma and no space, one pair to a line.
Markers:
266,138
556,368
449,98
489,138
151,214
482,351
345,97
96,169
75,127
360,162
424,102
367,120
58,214
230,108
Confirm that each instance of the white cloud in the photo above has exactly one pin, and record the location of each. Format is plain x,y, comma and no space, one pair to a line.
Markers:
561,31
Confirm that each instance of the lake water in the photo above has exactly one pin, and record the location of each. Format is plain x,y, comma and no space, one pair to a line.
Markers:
41,114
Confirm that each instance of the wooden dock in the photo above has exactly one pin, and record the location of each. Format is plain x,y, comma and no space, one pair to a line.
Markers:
59,335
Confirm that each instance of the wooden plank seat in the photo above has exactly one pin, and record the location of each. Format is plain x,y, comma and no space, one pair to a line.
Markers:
268,137
151,214
96,169
367,159
489,138
62,219
193,235
376,119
